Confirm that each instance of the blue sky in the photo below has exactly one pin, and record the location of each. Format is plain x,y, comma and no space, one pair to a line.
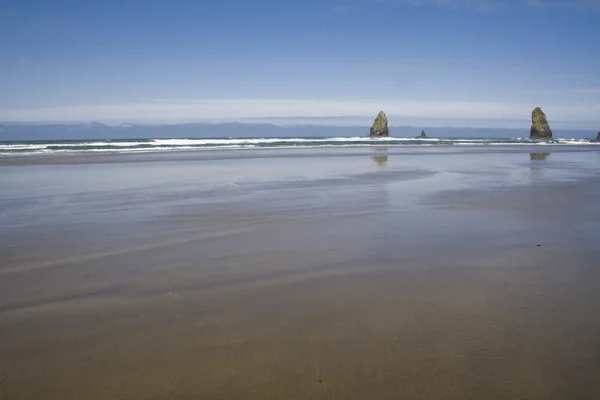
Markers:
166,61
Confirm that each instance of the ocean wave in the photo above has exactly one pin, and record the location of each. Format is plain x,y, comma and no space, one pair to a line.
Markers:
155,145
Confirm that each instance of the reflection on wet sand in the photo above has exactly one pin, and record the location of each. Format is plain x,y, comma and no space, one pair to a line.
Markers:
536,168
538,156
380,160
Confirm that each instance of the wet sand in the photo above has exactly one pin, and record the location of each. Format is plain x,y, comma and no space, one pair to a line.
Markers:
346,274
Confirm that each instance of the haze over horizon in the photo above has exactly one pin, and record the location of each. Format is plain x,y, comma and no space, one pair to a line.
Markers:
458,63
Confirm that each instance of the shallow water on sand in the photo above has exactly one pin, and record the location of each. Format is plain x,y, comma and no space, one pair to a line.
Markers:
313,274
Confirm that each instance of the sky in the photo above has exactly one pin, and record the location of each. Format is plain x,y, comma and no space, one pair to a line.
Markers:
460,61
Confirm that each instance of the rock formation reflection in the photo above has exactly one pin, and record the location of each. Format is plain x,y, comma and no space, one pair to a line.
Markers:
380,160
536,169
538,156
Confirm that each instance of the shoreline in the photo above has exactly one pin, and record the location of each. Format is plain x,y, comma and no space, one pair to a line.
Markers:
285,152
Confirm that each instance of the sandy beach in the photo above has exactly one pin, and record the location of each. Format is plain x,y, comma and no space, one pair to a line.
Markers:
388,273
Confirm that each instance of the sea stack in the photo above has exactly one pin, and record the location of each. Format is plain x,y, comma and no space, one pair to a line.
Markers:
380,126
540,130
422,135
598,137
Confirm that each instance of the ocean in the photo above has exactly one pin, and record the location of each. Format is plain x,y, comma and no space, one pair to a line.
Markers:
24,148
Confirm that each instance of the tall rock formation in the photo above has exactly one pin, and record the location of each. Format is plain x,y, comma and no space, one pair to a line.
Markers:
380,126
540,130
598,137
422,135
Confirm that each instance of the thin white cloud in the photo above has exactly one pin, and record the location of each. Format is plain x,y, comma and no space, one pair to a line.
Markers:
487,5
586,4
239,109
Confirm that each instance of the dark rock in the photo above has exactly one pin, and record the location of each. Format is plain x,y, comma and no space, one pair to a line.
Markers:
598,137
540,130
422,135
380,126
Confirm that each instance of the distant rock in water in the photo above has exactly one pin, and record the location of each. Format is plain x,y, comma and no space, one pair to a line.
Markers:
598,137
422,135
540,130
380,126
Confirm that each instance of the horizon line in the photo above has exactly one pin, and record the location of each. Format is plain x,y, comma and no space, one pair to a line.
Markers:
116,124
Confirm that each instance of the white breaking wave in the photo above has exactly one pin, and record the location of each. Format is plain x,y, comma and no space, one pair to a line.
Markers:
188,142
155,145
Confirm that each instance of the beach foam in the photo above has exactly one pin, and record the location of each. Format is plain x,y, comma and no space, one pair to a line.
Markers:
153,145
